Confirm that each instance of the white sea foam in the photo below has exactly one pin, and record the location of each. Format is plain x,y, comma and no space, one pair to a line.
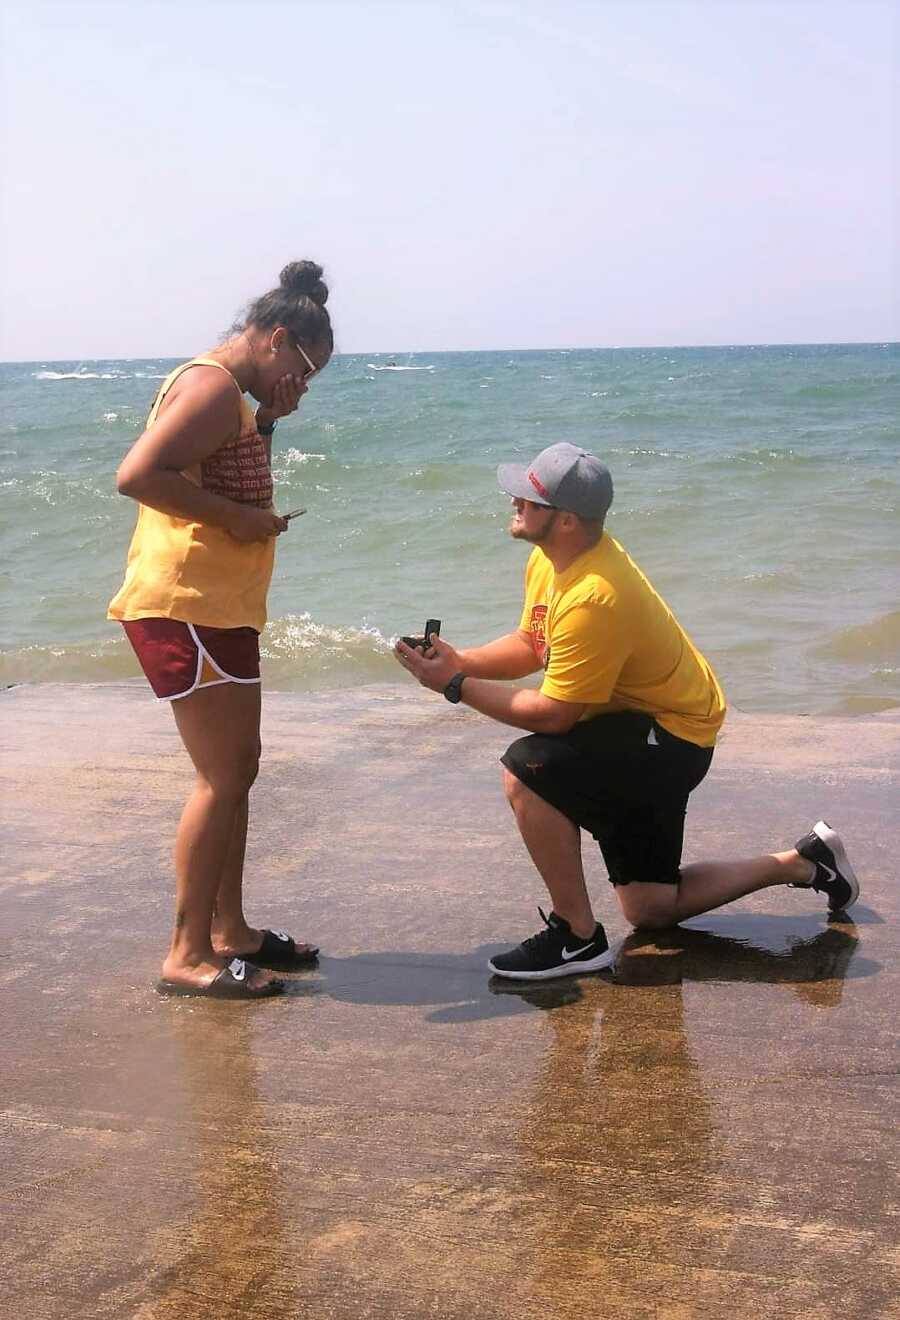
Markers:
66,375
292,456
374,367
296,634
81,374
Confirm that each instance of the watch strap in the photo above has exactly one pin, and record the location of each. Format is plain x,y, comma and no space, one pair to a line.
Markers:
453,690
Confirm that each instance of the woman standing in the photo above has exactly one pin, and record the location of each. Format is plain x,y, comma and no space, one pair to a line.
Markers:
194,603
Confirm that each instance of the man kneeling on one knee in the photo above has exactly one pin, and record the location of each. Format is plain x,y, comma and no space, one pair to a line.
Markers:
620,732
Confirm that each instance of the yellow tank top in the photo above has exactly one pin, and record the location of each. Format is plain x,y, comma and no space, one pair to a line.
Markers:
178,569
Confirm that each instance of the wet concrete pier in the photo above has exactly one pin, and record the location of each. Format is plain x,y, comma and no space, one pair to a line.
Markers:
705,1132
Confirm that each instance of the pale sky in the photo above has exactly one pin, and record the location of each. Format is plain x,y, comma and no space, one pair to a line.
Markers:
471,173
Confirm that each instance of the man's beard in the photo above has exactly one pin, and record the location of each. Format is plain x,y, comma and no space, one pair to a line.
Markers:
518,533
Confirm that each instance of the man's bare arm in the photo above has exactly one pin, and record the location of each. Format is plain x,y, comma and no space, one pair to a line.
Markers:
508,657
523,708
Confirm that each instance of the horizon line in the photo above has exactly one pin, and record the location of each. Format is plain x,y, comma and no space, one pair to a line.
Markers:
572,348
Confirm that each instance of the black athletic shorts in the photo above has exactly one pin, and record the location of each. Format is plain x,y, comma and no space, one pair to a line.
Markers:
625,780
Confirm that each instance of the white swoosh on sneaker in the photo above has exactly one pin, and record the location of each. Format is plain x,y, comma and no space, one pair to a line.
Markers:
569,955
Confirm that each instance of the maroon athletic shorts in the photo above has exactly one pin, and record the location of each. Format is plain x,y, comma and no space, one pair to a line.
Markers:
178,658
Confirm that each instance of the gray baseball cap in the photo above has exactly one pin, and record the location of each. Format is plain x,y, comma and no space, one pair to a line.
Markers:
561,477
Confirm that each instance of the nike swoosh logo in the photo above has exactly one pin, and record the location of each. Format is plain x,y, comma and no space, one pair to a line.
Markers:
569,954
832,875
238,968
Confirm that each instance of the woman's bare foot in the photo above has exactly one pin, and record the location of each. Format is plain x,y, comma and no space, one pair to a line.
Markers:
244,941
200,974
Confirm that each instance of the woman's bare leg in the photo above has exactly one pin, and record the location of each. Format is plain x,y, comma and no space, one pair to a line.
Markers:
230,932
219,727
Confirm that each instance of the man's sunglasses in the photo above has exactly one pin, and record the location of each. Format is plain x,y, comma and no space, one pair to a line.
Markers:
551,508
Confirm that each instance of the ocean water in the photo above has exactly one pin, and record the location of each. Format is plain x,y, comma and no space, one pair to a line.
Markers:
757,488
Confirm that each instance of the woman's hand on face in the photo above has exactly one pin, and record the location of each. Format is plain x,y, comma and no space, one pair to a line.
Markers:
249,523
286,396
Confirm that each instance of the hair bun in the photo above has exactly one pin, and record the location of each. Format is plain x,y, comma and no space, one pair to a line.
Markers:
305,277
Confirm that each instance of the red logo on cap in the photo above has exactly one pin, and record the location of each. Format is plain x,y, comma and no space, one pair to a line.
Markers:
537,485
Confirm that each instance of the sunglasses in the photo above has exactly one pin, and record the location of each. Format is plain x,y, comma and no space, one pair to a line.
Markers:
311,367
549,508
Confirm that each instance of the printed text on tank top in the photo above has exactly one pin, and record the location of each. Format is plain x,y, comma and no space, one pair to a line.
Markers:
239,469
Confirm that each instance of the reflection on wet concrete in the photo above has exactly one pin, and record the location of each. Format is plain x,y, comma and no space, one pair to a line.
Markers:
760,948
704,1131
626,1139
230,1243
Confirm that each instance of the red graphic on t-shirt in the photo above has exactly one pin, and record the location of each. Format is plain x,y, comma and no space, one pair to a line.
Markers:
538,632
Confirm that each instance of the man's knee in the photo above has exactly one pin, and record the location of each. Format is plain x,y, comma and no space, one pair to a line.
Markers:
513,787
525,756
648,910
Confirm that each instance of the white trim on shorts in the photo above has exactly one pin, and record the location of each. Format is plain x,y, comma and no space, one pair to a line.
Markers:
203,654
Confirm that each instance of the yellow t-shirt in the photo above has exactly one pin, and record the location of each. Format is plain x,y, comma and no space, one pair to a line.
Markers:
605,637
178,569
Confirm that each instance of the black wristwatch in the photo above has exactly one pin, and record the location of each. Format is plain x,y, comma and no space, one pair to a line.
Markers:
266,430
453,690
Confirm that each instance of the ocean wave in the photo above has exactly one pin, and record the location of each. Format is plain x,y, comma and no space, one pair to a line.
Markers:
75,495
647,453
762,456
877,642
290,457
66,375
106,661
845,389
648,417
81,375
774,580
300,652
862,705
389,367
296,633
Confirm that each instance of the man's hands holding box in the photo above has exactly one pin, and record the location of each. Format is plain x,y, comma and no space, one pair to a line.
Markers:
433,667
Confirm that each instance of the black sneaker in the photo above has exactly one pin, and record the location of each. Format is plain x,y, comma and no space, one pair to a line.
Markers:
834,874
554,951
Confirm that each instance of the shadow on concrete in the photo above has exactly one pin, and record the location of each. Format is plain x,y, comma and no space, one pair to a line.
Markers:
765,950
